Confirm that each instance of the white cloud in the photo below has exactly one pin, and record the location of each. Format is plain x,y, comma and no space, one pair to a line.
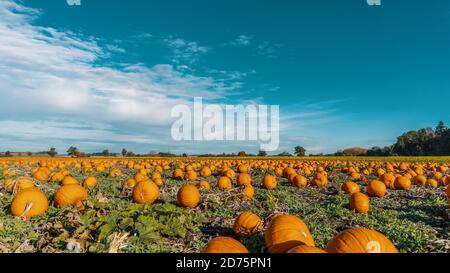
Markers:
46,73
184,52
115,48
242,40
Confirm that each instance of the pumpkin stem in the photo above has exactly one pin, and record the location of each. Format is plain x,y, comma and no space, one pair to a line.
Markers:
26,210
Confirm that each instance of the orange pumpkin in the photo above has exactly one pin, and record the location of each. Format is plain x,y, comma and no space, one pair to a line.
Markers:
285,232
90,182
360,240
224,183
359,202
224,245
350,187
376,188
70,195
299,181
205,185
248,192
29,203
269,182
188,196
247,223
402,183
244,179
145,192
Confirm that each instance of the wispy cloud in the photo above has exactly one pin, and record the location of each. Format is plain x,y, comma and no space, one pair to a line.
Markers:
242,40
115,48
184,51
268,49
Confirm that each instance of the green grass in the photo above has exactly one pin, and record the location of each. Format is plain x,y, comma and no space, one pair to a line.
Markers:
416,221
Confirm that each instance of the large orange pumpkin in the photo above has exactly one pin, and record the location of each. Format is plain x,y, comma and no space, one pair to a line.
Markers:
360,240
376,188
188,196
70,195
285,232
29,203
145,192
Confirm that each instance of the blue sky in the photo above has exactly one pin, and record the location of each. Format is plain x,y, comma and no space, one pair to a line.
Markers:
104,75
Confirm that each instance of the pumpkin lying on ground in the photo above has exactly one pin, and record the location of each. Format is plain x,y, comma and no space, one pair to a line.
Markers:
90,182
269,182
376,188
350,187
29,203
145,192
188,196
285,232
359,202
360,240
224,245
70,195
247,223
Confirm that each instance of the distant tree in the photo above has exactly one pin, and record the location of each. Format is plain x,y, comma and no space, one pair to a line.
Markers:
52,152
124,152
105,152
262,153
300,151
285,154
8,154
440,128
73,151
185,155
241,154
29,153
130,154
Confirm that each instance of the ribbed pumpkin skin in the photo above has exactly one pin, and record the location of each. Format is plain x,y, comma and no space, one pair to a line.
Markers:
247,223
244,179
188,196
376,189
70,195
33,196
269,182
69,180
224,245
359,202
300,181
90,182
306,249
350,187
224,183
360,240
248,192
402,183
285,232
145,192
